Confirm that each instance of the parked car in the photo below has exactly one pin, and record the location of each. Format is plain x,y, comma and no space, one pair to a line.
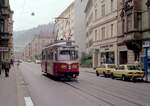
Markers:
38,61
105,69
29,60
128,72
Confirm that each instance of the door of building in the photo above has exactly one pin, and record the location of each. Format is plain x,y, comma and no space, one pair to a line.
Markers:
123,57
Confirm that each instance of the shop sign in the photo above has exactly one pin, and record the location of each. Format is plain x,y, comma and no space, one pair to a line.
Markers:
4,49
107,48
146,44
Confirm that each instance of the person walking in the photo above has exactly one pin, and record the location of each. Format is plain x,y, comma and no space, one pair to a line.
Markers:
12,62
0,67
7,68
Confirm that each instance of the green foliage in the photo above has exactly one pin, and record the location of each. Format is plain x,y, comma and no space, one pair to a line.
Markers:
86,60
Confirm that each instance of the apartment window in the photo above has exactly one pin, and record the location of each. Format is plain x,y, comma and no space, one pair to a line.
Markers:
103,33
90,43
96,13
2,26
112,5
96,35
103,10
129,22
112,30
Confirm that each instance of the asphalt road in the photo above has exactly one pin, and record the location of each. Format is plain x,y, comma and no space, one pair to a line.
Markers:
89,90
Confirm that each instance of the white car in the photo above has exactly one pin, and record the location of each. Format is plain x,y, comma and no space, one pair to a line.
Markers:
38,61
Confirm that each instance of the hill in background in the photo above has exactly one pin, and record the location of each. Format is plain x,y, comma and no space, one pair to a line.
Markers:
22,38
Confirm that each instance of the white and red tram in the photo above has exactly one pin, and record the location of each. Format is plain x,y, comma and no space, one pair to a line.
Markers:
60,59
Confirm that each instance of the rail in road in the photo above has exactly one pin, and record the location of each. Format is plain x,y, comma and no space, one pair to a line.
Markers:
103,91
84,90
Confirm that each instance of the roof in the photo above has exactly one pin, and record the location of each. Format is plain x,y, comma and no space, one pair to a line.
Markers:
62,43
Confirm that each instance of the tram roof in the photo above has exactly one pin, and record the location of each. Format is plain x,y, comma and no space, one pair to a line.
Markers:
62,43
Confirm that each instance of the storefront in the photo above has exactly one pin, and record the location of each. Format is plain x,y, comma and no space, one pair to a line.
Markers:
108,54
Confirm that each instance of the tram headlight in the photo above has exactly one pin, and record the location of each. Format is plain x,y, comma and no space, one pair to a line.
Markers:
74,66
63,66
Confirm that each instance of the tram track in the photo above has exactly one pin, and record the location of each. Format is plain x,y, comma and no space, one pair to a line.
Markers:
129,86
81,90
121,89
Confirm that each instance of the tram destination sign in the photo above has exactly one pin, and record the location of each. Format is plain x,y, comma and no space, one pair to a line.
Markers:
4,49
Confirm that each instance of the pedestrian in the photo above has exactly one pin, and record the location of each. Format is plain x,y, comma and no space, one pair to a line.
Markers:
7,68
12,62
0,67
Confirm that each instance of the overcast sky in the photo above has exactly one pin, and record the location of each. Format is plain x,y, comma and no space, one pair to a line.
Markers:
45,11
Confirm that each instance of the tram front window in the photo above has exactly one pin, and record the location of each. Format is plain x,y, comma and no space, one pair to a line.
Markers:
65,55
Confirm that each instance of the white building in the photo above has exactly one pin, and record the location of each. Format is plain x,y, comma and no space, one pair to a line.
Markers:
101,21
65,23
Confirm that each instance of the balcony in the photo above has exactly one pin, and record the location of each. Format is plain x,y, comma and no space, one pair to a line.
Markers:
5,11
4,35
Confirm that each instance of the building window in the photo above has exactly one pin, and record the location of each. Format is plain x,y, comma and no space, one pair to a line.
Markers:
96,13
90,43
112,5
112,30
2,26
96,35
129,23
103,10
103,33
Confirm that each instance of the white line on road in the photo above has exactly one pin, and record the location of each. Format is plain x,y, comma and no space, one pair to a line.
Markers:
28,101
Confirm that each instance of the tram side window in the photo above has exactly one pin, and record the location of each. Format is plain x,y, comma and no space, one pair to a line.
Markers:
50,56
43,56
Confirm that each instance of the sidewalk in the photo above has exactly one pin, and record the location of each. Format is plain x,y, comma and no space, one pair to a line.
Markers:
8,89
89,70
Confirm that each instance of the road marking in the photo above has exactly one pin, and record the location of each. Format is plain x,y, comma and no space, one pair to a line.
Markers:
28,101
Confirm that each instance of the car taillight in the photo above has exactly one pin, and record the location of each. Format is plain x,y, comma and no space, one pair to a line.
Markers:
63,66
74,66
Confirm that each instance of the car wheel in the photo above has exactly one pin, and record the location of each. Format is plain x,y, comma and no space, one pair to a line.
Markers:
112,75
104,74
97,74
123,77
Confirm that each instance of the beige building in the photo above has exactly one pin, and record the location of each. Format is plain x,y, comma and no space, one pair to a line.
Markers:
65,23
101,18
133,29
34,48
6,30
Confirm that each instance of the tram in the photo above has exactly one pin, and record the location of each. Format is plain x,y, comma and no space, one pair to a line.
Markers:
60,59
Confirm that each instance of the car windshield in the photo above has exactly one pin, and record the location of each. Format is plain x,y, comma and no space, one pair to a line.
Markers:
111,66
133,67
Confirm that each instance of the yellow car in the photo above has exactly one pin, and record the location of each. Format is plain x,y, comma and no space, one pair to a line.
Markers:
105,69
130,72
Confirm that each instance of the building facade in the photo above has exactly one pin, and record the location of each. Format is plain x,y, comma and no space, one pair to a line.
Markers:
133,29
65,23
101,18
33,50
6,31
